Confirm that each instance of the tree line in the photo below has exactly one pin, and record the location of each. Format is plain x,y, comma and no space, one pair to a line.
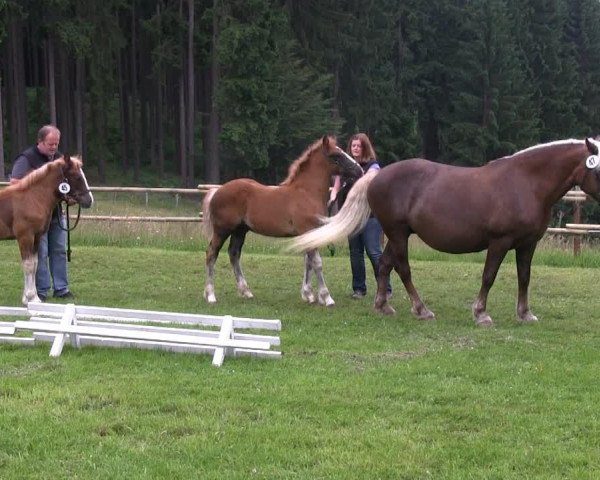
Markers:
210,90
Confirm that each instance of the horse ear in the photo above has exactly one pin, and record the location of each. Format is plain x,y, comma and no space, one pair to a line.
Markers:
591,146
329,142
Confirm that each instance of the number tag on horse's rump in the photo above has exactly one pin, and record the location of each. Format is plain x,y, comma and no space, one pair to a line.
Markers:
592,162
64,188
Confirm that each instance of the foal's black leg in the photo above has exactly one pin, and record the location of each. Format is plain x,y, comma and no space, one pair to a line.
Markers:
524,255
238,237
212,253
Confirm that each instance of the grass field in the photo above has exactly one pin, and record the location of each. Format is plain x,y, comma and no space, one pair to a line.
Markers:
356,395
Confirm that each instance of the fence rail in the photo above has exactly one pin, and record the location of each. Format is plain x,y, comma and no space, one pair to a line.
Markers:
577,229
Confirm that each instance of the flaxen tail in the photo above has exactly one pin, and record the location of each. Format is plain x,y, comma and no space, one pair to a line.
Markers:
207,225
350,219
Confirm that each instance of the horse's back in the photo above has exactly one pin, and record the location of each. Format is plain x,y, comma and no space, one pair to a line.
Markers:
277,211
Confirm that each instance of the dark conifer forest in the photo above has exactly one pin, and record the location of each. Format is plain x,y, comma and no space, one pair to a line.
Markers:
209,90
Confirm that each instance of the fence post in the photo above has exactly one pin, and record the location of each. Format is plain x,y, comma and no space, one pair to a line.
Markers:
577,238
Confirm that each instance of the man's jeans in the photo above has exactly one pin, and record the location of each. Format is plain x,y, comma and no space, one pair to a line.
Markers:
52,259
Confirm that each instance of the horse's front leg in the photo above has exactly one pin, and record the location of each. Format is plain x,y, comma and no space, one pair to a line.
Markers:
524,257
313,257
306,292
29,265
493,260
235,252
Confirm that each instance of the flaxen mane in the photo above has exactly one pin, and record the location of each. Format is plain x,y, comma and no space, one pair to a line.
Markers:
35,175
297,164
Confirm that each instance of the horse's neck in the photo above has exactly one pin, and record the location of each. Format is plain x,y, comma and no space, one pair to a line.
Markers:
558,171
314,179
44,190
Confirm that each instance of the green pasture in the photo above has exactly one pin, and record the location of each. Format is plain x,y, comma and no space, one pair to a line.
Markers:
355,396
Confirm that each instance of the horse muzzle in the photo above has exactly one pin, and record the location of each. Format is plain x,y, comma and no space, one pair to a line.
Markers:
85,201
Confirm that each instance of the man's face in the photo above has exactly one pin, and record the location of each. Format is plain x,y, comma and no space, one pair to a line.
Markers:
49,145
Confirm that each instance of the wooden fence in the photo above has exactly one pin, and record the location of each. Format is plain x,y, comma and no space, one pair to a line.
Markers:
577,229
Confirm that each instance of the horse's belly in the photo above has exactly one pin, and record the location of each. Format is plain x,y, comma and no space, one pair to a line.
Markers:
453,241
6,233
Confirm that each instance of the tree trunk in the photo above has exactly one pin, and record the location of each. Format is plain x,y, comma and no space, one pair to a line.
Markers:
16,89
2,165
65,103
124,113
51,81
182,131
160,134
79,117
134,98
212,173
182,117
191,107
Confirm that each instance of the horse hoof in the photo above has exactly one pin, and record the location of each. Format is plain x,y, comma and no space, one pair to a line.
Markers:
385,309
325,299
247,294
210,298
328,302
423,313
308,297
528,317
484,321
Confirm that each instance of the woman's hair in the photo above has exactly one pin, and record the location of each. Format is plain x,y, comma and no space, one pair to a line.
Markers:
368,152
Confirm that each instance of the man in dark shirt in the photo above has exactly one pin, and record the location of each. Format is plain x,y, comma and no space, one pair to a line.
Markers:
52,256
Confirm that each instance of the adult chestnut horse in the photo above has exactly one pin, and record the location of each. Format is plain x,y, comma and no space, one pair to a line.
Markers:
500,206
26,209
286,210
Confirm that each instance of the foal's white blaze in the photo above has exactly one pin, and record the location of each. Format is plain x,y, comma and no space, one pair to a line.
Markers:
87,187
346,155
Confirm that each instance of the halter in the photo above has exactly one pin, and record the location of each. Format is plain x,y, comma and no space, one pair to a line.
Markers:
592,164
64,188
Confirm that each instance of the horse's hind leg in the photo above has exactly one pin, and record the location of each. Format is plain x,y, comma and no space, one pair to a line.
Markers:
524,257
314,261
235,252
386,262
212,253
306,292
396,254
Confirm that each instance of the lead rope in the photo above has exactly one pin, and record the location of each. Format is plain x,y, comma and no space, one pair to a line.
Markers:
68,234
69,228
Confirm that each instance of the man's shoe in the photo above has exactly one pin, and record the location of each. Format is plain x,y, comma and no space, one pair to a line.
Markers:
42,297
358,294
65,295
